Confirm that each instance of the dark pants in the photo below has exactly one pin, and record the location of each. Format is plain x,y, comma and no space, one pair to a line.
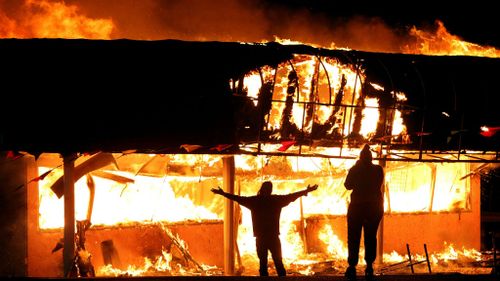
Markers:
364,216
273,245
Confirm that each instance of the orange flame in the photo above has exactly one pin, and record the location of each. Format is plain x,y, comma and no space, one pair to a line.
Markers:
443,43
46,19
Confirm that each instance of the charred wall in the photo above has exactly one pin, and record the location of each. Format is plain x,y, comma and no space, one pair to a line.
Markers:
13,217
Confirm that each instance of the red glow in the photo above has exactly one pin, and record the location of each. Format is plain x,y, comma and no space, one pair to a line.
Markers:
489,131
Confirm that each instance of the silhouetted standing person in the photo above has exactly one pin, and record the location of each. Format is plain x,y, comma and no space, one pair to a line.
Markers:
366,209
266,210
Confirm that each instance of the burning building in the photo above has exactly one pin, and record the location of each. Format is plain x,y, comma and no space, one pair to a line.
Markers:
109,150
150,127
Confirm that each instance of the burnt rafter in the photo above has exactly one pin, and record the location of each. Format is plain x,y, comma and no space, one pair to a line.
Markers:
319,130
155,96
288,128
313,97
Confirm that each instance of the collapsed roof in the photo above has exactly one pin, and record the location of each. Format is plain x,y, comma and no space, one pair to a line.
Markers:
68,96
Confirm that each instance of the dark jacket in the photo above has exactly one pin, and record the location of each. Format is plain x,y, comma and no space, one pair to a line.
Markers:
365,180
266,210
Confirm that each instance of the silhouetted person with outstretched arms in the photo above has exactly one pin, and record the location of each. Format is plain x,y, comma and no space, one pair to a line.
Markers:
366,209
266,209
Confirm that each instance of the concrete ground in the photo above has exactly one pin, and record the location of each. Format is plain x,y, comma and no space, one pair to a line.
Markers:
408,277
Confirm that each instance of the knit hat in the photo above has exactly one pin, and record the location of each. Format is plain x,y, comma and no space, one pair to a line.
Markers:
266,188
365,154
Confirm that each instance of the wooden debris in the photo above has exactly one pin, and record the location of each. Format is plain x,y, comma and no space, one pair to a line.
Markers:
180,245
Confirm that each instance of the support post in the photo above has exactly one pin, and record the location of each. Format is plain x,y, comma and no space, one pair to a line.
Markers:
380,232
229,226
433,185
69,212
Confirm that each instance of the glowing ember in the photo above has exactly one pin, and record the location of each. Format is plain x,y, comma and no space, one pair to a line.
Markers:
161,264
449,260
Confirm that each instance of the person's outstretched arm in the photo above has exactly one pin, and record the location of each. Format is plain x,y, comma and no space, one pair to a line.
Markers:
229,196
293,196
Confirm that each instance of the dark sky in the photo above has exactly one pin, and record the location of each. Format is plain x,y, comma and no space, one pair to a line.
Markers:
477,22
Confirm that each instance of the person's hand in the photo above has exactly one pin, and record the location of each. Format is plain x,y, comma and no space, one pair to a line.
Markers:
217,190
312,187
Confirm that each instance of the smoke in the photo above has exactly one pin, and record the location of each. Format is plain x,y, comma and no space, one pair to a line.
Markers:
240,20
8,26
224,20
220,20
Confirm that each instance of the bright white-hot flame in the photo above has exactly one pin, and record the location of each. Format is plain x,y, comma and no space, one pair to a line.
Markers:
370,117
393,257
377,86
405,184
285,41
400,96
327,77
398,126
306,164
253,83
335,247
114,202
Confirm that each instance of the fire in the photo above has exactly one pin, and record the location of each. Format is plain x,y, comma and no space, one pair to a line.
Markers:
416,184
312,92
335,247
449,259
315,84
129,208
398,126
169,199
370,117
318,80
49,19
160,265
443,43
253,84
285,41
